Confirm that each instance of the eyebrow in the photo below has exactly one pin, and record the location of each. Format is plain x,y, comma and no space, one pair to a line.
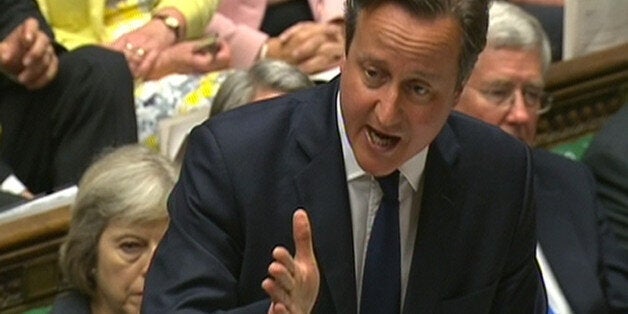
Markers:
363,58
510,84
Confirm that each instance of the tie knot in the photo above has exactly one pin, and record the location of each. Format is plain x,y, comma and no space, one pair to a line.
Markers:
390,185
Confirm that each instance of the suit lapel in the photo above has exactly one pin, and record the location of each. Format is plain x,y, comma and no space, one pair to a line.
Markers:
322,191
438,221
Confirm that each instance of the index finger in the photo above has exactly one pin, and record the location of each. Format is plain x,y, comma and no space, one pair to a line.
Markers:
302,233
30,29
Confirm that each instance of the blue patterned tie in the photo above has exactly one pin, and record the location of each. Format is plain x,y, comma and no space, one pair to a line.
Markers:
381,284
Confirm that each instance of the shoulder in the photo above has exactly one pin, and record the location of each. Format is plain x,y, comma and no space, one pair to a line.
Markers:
610,144
278,115
547,163
71,302
482,142
477,132
562,175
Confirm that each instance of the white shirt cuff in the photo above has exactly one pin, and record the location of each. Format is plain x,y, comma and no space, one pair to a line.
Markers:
12,185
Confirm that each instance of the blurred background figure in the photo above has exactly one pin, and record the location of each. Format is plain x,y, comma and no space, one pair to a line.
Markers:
144,31
608,159
117,220
55,104
306,33
583,266
266,79
165,45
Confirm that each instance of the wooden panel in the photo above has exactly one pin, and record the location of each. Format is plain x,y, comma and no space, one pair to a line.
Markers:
29,272
586,91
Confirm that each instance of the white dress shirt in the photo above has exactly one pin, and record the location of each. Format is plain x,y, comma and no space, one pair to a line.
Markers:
555,297
365,196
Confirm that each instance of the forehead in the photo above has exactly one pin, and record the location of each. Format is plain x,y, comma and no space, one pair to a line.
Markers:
392,15
399,34
509,64
121,227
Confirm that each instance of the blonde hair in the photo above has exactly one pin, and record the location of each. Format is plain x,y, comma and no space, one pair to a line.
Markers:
130,183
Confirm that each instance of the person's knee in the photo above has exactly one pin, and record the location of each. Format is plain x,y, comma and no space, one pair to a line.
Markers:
102,64
98,87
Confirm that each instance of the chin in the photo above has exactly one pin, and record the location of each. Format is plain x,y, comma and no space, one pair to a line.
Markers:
376,168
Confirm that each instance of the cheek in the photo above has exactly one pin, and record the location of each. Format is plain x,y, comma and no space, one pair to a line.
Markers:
426,122
115,276
355,104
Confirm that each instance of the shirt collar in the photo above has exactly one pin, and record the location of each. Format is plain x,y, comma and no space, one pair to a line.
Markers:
411,169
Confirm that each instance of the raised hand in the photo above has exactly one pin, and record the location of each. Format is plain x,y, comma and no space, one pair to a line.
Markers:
293,282
28,57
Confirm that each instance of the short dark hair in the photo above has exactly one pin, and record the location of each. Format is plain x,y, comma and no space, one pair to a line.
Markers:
472,16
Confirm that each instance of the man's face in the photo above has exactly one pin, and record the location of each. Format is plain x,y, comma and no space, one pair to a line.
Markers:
498,87
398,85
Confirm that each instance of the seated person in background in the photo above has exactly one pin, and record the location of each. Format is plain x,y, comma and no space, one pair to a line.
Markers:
608,159
118,218
266,79
150,33
305,33
584,269
158,38
56,104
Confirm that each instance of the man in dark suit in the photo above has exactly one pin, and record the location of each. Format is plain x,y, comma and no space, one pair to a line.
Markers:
608,159
584,269
465,238
57,108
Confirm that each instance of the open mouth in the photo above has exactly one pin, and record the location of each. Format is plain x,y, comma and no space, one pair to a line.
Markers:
382,140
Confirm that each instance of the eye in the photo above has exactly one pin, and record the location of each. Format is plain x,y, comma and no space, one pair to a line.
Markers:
497,95
419,89
373,77
131,247
533,96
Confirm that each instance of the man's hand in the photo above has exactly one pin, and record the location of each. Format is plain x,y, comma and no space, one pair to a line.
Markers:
293,281
28,57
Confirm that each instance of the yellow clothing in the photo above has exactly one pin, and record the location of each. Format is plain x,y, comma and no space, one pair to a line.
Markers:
81,22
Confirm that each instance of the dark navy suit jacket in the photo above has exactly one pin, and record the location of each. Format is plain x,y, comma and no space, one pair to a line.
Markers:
247,170
607,158
585,257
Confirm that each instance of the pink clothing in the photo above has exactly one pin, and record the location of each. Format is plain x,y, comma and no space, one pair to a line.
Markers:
238,22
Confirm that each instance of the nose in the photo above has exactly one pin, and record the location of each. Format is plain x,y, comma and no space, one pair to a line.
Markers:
387,109
147,259
519,113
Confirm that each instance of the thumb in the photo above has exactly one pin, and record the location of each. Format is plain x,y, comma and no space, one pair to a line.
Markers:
302,233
